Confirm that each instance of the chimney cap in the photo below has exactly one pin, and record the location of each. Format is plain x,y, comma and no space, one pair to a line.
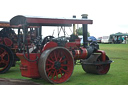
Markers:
84,15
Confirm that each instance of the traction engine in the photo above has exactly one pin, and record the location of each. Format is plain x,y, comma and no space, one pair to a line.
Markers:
53,59
9,45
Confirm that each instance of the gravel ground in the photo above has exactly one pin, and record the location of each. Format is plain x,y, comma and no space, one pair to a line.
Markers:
16,82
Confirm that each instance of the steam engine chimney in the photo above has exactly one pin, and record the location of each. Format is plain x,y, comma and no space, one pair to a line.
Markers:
74,26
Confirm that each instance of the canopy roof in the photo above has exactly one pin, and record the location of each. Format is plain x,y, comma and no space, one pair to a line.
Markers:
4,24
43,21
119,34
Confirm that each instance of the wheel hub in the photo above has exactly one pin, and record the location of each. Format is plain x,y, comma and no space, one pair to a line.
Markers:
57,64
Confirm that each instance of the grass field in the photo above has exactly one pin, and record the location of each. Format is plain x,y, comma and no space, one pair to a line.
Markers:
118,74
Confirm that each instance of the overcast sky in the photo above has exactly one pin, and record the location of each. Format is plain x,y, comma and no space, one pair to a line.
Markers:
109,16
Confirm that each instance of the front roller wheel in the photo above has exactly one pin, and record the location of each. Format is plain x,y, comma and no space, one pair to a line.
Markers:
56,65
97,69
6,59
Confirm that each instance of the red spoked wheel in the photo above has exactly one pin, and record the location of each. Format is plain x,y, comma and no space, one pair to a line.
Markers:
56,65
97,69
6,59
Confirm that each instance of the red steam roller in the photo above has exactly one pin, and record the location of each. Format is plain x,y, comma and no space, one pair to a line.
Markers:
53,58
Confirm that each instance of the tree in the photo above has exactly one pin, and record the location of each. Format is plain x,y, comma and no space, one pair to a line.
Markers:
80,31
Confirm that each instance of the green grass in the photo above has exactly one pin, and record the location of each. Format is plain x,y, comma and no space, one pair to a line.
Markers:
118,74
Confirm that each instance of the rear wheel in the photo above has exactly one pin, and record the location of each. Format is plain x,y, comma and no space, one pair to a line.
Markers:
6,59
56,65
97,69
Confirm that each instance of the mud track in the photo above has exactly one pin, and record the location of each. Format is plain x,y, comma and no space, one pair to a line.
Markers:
16,82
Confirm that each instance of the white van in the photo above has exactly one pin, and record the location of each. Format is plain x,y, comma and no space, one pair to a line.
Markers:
106,39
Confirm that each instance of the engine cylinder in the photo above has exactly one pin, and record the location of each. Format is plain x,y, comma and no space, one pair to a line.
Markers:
80,53
83,53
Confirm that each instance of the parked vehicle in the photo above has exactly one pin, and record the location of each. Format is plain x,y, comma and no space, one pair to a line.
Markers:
99,39
106,39
90,39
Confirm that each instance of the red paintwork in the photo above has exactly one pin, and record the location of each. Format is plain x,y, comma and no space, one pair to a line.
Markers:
49,45
103,54
58,21
29,69
73,45
8,42
80,54
77,41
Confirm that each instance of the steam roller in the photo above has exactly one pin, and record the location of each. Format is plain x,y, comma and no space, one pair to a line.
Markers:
53,58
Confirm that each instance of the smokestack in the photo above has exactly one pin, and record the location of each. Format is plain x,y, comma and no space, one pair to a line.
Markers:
85,31
74,26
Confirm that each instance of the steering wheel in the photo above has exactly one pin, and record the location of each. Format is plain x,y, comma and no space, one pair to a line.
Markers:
46,39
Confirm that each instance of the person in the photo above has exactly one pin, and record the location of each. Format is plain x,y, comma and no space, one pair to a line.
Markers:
113,40
126,40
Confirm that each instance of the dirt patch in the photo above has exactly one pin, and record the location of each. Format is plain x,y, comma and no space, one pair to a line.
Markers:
16,82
